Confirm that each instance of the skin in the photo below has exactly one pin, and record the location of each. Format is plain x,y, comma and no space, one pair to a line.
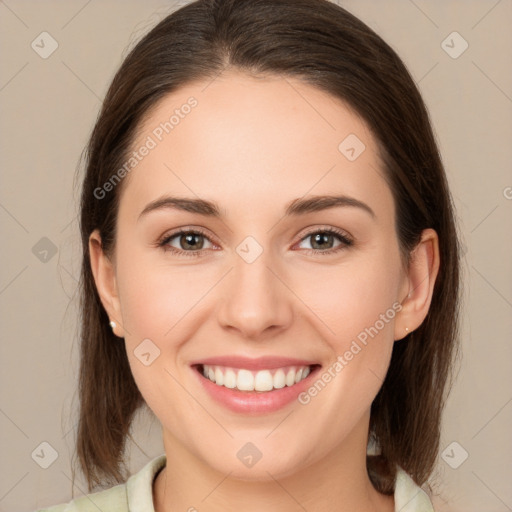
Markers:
252,145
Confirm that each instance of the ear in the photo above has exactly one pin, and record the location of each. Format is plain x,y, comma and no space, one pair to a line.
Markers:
419,284
105,278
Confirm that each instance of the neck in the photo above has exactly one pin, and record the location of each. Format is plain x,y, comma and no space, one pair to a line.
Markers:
337,482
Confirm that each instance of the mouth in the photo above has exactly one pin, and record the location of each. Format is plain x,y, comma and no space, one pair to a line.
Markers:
254,386
266,380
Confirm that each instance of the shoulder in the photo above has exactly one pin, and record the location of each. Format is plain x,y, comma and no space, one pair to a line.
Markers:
408,496
135,494
113,500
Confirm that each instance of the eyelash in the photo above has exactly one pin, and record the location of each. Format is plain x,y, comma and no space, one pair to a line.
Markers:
343,238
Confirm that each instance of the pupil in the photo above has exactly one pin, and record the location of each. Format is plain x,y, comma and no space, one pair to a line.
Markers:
190,239
322,237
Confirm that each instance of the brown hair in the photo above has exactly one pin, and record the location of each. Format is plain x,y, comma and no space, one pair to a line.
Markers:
325,46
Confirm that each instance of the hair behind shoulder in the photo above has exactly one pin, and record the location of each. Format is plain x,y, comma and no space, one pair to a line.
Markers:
326,46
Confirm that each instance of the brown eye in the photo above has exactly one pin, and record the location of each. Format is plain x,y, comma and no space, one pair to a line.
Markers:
188,243
192,241
324,241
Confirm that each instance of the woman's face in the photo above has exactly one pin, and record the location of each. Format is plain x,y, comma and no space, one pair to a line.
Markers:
264,278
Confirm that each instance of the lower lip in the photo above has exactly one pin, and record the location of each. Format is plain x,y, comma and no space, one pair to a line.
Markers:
254,402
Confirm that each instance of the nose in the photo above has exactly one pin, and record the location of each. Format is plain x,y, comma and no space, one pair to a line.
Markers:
256,303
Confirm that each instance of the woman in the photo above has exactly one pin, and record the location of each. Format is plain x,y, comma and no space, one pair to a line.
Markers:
270,265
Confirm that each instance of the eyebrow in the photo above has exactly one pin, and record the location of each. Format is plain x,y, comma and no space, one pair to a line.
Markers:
298,206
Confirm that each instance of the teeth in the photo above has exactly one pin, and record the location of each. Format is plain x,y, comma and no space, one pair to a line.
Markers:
245,380
279,379
219,377
230,379
263,380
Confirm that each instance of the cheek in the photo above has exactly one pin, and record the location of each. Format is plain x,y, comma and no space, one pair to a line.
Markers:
351,297
153,301
357,302
155,298
159,303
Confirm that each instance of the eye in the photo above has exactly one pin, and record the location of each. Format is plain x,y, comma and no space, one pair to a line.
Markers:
185,242
191,242
323,241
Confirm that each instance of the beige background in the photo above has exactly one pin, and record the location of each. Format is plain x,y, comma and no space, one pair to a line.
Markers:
48,107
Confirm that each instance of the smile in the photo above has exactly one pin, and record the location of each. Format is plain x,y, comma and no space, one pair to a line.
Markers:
262,380
257,391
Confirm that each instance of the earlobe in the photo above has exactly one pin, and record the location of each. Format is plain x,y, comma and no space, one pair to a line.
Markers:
104,277
422,273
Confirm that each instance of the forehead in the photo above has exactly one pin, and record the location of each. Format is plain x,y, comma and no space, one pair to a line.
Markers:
245,140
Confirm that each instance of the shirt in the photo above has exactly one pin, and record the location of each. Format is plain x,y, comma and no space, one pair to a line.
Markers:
136,495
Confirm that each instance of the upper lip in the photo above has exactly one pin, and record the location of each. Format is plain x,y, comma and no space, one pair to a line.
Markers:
260,363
